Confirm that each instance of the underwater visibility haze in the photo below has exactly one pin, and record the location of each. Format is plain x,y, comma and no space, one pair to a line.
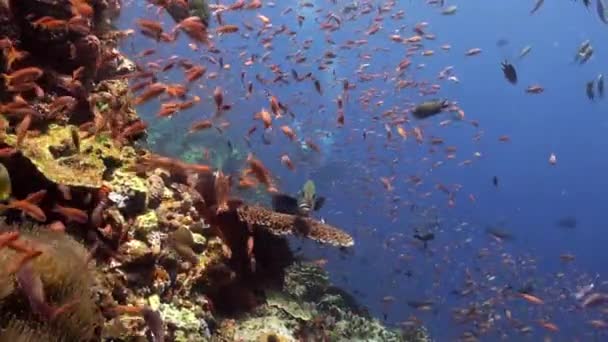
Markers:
438,166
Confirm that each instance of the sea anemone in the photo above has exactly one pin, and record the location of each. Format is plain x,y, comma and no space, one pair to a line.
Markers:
66,275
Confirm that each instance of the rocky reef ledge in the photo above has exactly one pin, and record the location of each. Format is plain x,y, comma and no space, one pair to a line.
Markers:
101,240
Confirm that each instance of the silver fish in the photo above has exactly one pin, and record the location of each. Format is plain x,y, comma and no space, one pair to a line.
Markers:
600,85
537,6
601,11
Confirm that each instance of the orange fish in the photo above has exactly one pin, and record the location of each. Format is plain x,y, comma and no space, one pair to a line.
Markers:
195,28
221,184
288,132
227,29
260,172
254,4
21,76
176,90
21,130
72,214
81,7
154,90
50,23
531,299
150,28
552,327
195,72
29,205
275,106
264,115
535,89
285,160
218,98
200,126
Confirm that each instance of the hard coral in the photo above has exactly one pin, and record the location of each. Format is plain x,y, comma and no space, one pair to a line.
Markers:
283,224
67,277
55,156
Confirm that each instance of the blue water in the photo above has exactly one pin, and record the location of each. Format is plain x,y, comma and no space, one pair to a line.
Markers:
531,194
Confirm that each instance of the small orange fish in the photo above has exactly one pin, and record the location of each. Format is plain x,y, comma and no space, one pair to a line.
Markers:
81,7
552,327
288,132
21,130
176,90
227,29
195,28
531,299
29,205
50,23
154,90
275,106
504,138
254,4
195,72
535,89
285,160
21,76
264,115
72,214
261,172
200,126
218,98
151,28
221,184
264,19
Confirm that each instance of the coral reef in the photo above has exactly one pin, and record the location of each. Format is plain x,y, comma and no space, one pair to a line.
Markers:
311,311
56,155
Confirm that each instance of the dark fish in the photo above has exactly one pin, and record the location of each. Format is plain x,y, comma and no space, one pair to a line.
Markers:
425,238
502,42
601,11
600,85
567,222
589,90
495,181
421,304
537,6
499,233
509,71
318,87
429,108
587,3
305,202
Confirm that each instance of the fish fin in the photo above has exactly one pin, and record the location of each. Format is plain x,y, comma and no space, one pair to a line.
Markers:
319,201
284,204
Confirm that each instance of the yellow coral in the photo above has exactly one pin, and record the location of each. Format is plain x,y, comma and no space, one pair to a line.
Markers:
53,153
